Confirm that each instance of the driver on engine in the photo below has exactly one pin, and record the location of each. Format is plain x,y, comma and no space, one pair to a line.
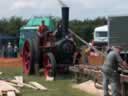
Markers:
42,31
42,34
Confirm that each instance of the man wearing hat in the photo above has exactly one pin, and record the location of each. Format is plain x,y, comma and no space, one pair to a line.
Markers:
42,32
110,71
42,28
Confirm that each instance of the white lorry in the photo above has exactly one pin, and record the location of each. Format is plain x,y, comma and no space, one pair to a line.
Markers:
100,35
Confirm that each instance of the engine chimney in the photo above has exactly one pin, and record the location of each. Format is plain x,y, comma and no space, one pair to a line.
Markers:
65,19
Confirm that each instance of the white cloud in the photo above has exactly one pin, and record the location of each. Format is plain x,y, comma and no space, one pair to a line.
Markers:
19,4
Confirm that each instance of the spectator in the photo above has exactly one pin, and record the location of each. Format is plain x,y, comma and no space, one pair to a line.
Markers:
15,50
110,71
9,50
3,51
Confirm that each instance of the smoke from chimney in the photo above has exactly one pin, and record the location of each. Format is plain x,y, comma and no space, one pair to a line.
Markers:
62,3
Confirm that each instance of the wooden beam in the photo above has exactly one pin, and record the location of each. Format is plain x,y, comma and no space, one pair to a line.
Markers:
30,86
19,80
5,86
11,93
24,84
37,85
1,73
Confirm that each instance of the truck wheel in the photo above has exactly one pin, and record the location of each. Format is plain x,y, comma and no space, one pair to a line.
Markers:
49,64
28,57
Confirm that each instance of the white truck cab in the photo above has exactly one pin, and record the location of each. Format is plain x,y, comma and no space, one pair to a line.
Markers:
101,35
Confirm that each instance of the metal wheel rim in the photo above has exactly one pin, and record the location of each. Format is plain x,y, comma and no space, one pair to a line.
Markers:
26,57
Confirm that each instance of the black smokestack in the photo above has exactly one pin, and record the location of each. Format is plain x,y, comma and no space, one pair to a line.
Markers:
65,19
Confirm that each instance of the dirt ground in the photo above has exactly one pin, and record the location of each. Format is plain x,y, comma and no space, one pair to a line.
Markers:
10,62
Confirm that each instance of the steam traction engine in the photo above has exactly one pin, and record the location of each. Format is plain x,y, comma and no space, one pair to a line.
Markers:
54,54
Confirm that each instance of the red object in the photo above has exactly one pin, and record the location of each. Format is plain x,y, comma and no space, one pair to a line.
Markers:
26,58
42,28
92,42
47,65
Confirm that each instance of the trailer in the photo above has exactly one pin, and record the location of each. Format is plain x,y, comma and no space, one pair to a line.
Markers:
118,32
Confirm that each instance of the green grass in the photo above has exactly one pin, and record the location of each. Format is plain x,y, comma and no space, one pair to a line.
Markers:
59,87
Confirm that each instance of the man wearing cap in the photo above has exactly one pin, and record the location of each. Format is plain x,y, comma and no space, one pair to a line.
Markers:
42,28
110,71
42,31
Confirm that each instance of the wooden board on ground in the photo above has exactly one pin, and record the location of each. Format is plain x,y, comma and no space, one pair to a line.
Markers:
11,93
13,84
24,84
6,88
19,80
37,85
30,86
89,87
1,73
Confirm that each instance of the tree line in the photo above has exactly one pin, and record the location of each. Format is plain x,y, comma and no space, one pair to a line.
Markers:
86,27
83,28
11,26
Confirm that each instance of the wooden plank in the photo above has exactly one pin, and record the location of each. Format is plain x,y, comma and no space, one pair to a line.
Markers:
19,80
37,85
1,93
11,93
5,86
17,83
124,78
1,73
24,84
89,87
12,84
30,86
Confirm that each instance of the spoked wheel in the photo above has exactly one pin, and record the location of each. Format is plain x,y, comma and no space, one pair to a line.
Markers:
49,64
27,58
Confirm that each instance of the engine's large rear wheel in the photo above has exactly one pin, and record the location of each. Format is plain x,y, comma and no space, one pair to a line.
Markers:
28,57
49,64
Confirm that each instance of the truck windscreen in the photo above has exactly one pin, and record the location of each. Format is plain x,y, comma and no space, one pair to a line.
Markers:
101,34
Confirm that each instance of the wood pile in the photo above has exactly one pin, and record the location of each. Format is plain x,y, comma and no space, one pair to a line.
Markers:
12,87
93,71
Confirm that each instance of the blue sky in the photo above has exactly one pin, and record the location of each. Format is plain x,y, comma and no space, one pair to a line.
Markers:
79,9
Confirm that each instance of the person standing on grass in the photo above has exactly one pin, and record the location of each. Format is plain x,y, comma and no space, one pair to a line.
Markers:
9,50
3,51
110,71
15,49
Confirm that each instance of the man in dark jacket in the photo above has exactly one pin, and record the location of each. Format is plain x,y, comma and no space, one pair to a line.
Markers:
110,71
